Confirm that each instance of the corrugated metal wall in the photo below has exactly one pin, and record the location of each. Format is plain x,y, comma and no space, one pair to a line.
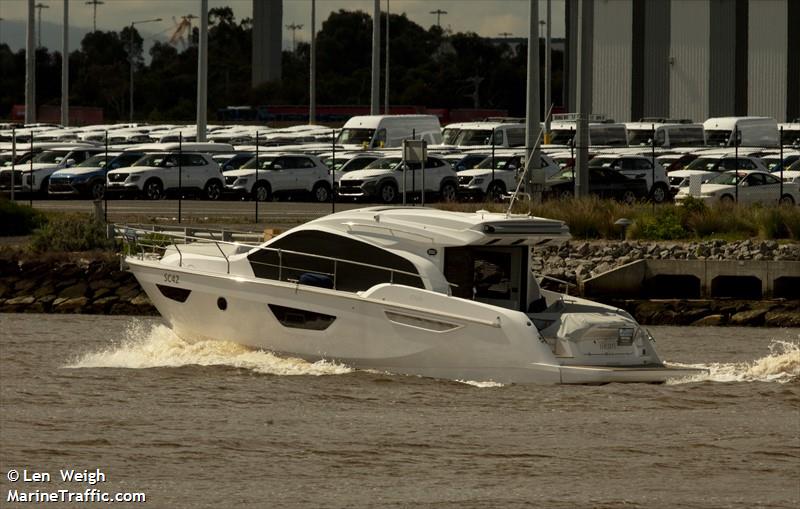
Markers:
656,58
767,59
689,59
611,66
722,60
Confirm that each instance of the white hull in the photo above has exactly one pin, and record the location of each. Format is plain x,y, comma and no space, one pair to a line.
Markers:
390,328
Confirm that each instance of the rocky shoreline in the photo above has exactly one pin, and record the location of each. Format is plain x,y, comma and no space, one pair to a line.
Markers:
91,283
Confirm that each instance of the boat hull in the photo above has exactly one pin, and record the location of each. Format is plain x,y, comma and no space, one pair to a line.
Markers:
389,328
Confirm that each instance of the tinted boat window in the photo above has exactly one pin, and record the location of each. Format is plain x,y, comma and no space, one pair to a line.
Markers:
300,318
352,277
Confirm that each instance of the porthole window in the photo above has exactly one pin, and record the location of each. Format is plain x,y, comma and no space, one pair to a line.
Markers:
222,303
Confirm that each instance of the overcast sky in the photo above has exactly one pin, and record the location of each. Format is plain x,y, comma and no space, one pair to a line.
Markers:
488,18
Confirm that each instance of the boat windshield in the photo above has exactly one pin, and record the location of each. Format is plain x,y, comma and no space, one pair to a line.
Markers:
355,136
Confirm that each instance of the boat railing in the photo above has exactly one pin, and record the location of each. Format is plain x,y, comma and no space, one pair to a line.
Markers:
153,243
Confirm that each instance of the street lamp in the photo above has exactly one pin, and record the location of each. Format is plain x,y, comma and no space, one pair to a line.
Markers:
40,6
130,56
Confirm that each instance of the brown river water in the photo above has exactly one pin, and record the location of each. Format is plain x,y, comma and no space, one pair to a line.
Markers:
218,425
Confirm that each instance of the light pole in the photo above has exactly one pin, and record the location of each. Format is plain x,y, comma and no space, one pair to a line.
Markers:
386,78
375,99
294,27
30,67
65,67
94,4
312,67
548,95
130,56
40,6
202,73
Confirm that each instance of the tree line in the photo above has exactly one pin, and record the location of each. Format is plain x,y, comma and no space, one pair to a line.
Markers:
430,68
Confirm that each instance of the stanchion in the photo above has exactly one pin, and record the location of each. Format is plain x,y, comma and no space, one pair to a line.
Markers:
180,174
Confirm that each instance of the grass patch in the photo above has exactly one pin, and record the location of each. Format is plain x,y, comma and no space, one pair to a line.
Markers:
17,219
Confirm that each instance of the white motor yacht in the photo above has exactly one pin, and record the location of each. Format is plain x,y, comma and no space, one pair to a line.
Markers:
407,290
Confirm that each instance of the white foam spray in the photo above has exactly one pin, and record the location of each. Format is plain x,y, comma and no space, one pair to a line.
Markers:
157,346
781,365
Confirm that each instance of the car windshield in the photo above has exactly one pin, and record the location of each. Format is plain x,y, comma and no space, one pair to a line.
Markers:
264,163
356,163
355,136
474,137
384,163
728,178
640,137
96,161
124,160
562,136
601,162
703,163
153,160
50,156
795,166
499,162
717,138
449,135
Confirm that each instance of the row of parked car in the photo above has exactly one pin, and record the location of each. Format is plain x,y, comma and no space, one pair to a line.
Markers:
353,168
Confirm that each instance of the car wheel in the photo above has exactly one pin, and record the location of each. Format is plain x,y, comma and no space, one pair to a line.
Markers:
786,199
448,192
321,192
98,190
496,191
628,197
213,190
727,200
153,190
388,192
659,194
262,192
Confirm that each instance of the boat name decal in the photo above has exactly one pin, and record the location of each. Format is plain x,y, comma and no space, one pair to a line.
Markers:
171,278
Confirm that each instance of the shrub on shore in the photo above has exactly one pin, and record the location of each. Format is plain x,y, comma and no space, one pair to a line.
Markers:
71,232
592,218
18,219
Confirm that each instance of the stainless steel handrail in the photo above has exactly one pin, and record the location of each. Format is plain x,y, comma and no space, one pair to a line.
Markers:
280,252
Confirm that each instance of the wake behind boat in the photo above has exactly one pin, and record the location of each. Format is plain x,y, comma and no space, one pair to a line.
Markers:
402,289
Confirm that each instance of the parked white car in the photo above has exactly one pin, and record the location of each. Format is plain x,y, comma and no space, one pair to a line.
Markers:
754,186
279,175
479,183
384,179
160,173
637,167
35,175
709,166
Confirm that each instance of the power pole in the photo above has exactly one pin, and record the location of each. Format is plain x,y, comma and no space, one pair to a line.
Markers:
65,68
40,6
312,71
375,102
294,27
548,95
386,78
439,13
94,4
30,67
202,73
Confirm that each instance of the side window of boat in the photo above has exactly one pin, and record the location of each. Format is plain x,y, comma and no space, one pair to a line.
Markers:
351,265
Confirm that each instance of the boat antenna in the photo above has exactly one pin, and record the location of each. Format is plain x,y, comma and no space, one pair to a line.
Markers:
527,164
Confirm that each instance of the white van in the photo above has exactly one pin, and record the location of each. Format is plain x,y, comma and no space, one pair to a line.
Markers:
666,135
753,131
385,131
601,134
479,134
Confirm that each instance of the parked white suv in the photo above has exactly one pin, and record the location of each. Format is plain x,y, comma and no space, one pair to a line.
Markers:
384,179
638,167
160,173
280,174
478,183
